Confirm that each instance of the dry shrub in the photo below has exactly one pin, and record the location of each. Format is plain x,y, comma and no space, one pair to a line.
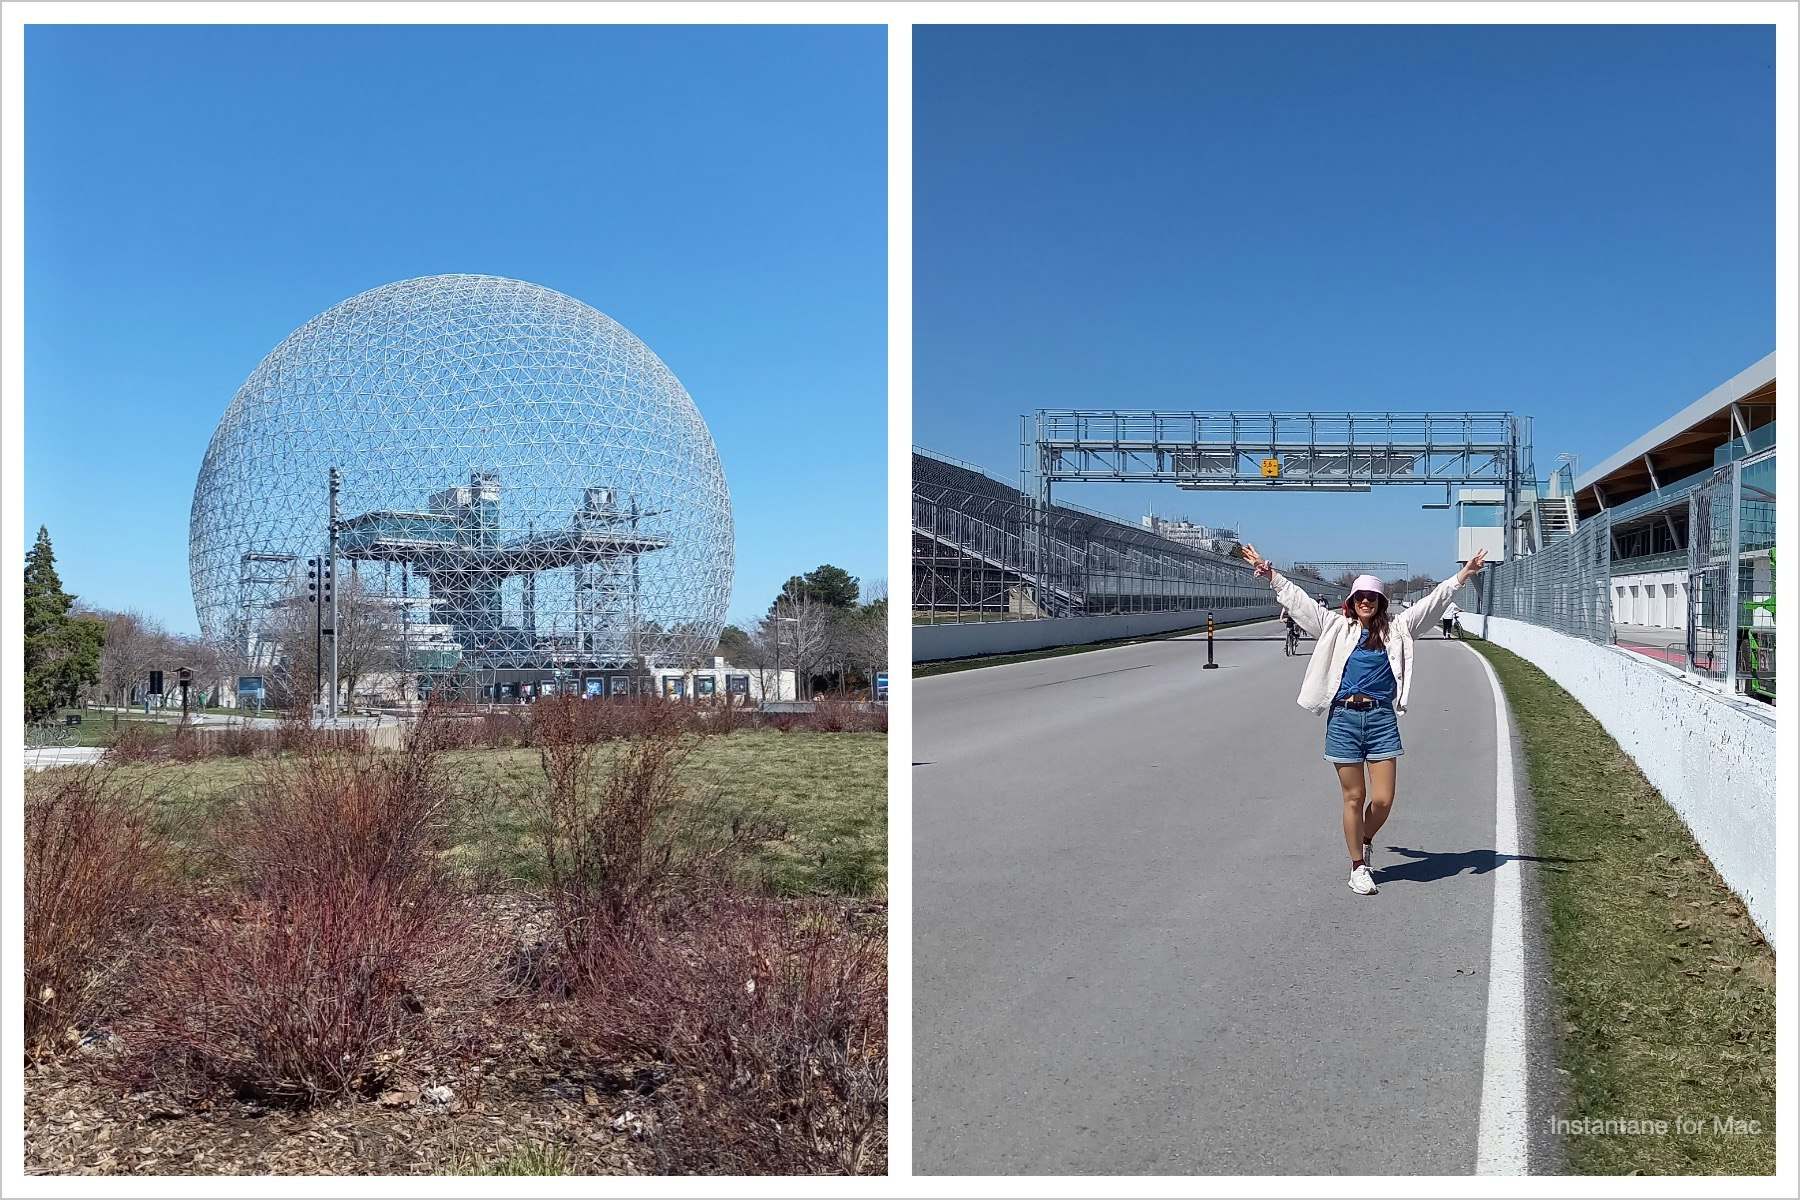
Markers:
835,715
95,865
135,742
198,743
503,730
189,746
729,715
344,952
608,719
632,837
240,741
296,732
773,1017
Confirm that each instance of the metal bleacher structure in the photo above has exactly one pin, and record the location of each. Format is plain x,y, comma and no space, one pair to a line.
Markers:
981,554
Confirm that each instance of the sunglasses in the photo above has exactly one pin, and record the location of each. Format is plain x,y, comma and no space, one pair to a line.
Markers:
1365,598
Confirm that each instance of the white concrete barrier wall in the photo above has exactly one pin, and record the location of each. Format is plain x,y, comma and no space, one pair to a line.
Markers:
968,640
1711,756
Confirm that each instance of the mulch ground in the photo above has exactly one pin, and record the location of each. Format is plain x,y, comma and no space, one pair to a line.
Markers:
76,1125
527,1096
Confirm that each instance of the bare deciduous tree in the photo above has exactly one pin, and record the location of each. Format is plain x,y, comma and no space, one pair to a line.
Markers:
135,645
864,640
368,634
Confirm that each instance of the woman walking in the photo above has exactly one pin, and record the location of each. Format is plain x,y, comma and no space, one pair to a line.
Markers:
1359,677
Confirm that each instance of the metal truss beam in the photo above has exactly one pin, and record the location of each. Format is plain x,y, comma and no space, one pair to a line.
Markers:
1363,567
1274,449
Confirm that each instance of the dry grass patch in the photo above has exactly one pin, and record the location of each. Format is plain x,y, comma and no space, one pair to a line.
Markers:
1665,985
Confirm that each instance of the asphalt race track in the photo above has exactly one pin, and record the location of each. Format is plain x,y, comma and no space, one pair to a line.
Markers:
1134,950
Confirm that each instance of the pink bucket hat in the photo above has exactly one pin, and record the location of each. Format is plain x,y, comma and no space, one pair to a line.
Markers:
1364,583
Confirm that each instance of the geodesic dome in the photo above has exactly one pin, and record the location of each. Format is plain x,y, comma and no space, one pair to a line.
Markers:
523,485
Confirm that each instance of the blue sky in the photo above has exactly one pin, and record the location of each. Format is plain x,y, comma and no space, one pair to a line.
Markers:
1575,223
195,194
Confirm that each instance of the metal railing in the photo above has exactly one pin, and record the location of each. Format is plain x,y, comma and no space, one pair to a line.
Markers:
1731,588
1565,587
1724,630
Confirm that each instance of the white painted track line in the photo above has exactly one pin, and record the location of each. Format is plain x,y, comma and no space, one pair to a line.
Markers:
1501,1143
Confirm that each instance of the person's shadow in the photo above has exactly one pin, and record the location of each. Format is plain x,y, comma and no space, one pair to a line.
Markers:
1428,866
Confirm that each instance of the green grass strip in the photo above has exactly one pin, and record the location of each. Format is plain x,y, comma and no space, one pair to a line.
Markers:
828,789
1664,985
948,665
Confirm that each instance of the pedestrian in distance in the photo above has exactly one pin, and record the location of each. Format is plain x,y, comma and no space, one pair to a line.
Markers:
1450,615
1359,677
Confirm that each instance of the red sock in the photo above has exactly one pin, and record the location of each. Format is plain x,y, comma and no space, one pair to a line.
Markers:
1355,863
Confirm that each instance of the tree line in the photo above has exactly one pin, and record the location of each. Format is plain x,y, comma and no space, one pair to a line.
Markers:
825,626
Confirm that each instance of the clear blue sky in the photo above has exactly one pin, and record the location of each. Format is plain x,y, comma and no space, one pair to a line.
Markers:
195,194
1575,223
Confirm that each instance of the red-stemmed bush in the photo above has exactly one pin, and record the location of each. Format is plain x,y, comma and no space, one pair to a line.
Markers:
341,951
774,1019
136,742
629,836
95,869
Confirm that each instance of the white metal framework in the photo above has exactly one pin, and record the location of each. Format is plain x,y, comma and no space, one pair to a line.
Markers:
525,485
1277,450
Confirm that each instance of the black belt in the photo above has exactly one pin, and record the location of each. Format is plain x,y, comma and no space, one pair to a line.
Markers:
1362,703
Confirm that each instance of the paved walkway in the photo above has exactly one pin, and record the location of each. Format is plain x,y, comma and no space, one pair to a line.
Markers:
1134,950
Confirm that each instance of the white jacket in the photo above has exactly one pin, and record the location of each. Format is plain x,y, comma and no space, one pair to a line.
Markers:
1338,635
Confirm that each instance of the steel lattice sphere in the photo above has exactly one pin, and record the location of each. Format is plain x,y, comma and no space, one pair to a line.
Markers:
524,486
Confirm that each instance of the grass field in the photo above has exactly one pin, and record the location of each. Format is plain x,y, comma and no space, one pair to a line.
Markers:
829,789
98,728
1665,986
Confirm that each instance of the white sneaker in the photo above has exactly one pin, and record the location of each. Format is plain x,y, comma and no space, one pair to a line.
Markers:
1369,856
1361,883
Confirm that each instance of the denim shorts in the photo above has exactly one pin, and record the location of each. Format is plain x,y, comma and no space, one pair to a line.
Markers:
1362,735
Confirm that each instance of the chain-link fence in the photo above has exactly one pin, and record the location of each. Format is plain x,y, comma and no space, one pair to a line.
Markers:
1565,587
988,555
1708,609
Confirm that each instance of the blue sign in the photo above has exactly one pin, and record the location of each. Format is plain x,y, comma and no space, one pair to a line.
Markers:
881,685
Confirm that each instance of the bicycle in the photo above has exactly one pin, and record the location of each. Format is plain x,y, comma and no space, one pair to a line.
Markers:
44,735
1292,646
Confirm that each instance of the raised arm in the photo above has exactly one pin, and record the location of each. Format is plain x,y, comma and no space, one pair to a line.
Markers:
1308,613
1432,607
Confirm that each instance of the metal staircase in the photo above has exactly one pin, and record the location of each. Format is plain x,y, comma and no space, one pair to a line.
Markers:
1556,518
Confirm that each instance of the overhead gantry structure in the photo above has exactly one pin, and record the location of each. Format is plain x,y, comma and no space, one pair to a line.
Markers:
1277,451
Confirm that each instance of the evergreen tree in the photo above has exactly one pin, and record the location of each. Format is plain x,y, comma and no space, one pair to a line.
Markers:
62,653
831,586
734,645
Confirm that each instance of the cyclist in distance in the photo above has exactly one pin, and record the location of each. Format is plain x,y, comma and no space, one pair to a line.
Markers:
1292,642
1358,678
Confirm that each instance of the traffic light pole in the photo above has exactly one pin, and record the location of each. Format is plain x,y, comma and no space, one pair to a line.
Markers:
332,711
318,631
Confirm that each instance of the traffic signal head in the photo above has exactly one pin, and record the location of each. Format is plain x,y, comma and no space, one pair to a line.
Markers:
312,581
